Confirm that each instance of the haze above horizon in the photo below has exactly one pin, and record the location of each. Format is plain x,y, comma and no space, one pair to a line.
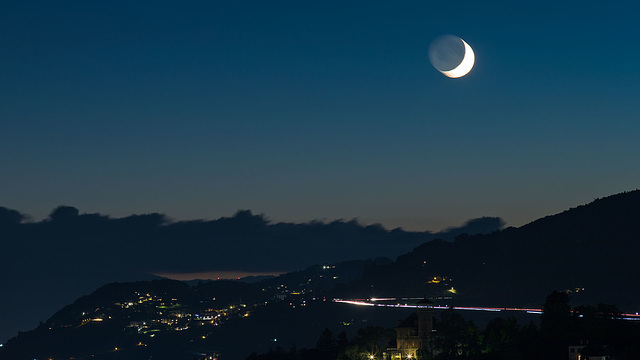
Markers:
316,111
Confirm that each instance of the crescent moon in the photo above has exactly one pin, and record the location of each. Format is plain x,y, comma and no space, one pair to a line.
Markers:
465,65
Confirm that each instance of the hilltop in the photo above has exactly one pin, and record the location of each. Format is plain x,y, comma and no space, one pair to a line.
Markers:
587,252
71,253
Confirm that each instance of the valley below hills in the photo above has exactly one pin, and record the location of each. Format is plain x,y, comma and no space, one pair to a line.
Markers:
589,252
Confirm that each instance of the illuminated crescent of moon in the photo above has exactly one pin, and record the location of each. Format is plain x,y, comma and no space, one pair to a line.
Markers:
465,65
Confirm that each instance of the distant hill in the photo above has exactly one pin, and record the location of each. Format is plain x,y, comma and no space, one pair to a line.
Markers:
168,319
71,253
591,250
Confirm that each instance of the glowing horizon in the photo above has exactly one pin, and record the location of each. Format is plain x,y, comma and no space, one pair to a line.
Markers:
215,275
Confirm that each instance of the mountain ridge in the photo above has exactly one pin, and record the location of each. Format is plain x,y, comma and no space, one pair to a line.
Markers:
584,247
588,251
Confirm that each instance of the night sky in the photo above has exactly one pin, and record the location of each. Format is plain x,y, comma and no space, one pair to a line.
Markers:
316,110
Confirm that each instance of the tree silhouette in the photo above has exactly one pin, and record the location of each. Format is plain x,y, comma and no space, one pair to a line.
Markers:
455,338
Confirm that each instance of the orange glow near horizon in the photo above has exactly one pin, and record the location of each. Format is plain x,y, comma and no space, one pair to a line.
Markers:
215,275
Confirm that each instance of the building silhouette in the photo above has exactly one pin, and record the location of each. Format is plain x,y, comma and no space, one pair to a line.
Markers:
413,334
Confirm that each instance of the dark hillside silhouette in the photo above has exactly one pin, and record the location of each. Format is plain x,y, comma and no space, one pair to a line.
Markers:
586,254
71,253
590,250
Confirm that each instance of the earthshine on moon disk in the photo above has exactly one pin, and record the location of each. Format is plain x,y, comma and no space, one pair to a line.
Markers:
452,56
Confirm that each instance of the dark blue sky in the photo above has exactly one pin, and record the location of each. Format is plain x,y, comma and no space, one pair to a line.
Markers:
316,110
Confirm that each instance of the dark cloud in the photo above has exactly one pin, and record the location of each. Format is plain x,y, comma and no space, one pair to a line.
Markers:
245,241
9,216
483,225
71,253
62,213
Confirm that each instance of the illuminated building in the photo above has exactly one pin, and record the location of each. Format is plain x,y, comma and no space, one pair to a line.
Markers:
413,334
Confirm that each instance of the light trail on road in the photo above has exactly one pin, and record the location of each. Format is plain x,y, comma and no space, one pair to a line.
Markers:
375,302
381,303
